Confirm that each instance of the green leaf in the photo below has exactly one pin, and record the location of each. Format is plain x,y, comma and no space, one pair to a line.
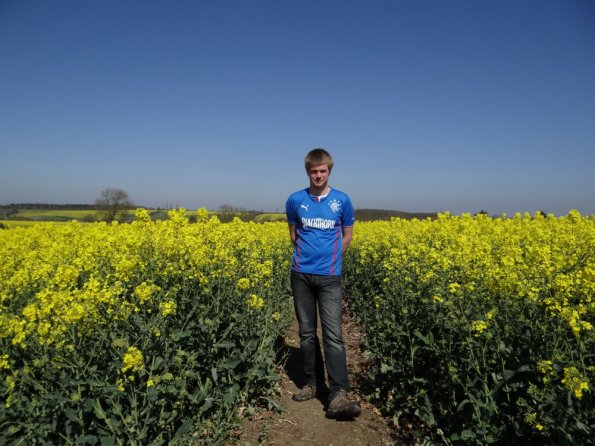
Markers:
87,439
206,405
230,363
462,404
582,426
186,427
157,362
467,434
180,335
231,394
107,441
523,368
72,415
508,374
99,412
420,336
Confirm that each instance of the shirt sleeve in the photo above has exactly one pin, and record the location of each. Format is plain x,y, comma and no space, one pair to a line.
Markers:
290,211
348,217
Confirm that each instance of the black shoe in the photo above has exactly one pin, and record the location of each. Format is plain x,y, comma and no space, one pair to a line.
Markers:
305,393
341,406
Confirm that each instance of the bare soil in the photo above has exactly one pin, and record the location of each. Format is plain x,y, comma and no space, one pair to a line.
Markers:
304,423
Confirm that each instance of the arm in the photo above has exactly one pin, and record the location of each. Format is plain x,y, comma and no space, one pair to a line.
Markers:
292,233
347,236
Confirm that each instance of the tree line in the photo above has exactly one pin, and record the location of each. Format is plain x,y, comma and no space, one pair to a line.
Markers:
113,204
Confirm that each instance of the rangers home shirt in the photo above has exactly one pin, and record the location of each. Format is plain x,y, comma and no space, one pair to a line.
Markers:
319,223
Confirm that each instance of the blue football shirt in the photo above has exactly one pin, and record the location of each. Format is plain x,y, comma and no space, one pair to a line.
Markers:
319,229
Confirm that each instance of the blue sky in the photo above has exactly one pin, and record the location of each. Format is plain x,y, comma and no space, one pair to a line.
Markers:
459,105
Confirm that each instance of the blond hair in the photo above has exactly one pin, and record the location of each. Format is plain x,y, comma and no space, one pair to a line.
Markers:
318,156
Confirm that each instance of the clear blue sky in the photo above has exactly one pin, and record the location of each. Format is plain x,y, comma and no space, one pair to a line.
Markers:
459,105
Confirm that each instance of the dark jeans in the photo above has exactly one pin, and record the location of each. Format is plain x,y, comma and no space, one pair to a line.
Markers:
309,292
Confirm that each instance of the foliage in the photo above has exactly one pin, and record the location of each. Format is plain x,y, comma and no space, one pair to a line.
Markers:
112,203
163,332
149,333
481,328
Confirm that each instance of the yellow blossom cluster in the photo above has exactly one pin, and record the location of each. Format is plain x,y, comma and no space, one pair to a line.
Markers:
111,317
56,277
255,302
575,382
545,259
132,360
497,299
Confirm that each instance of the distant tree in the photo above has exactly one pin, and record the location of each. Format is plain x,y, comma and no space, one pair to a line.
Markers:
226,213
113,203
5,214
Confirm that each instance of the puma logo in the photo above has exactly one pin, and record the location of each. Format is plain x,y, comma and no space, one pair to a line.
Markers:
305,207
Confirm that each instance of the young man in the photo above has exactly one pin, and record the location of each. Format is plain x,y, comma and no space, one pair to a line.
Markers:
321,222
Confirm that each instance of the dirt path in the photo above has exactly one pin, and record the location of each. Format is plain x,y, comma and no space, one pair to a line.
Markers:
305,423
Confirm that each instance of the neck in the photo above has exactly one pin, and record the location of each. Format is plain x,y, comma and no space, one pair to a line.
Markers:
318,191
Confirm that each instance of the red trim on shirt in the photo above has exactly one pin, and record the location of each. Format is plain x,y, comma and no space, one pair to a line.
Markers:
335,249
298,252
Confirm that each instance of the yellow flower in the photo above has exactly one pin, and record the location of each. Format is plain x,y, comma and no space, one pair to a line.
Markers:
168,307
132,360
4,364
575,382
243,284
143,215
202,215
10,383
478,327
531,419
545,367
255,302
145,291
178,216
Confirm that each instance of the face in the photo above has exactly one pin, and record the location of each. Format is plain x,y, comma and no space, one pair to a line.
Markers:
318,174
